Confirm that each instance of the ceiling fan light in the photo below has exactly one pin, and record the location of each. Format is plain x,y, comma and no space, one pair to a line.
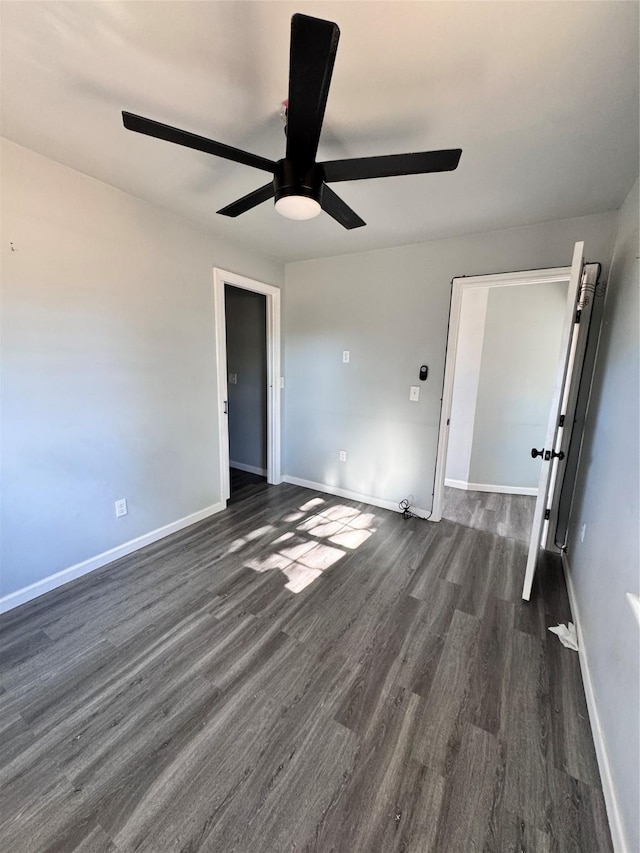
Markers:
298,207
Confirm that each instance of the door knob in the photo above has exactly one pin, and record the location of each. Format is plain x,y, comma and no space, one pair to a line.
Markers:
535,452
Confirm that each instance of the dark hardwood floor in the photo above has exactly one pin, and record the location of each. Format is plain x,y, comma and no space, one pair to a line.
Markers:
299,673
245,485
505,515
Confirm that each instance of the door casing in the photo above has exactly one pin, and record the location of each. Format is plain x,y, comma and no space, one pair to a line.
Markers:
458,287
272,294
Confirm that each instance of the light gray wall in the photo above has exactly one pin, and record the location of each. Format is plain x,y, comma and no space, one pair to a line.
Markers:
473,311
390,308
606,565
108,365
246,314
517,372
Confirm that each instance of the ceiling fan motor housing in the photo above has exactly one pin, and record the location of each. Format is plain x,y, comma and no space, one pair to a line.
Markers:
289,179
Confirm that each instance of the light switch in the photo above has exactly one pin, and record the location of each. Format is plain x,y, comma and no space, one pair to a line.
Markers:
233,378
414,393
345,356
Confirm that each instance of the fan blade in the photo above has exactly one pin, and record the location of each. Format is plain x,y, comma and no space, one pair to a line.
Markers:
314,43
393,164
191,140
248,201
341,212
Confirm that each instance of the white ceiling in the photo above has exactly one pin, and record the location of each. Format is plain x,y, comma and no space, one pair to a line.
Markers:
541,96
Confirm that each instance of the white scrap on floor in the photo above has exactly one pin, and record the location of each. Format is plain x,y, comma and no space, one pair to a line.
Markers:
567,635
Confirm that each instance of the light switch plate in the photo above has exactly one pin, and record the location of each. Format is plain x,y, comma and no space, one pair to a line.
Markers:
414,393
343,455
233,378
345,356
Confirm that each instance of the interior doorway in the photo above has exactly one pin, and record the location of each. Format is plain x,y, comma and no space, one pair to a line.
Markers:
248,373
246,331
509,339
556,441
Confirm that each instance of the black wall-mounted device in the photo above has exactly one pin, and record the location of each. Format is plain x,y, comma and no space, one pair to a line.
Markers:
424,371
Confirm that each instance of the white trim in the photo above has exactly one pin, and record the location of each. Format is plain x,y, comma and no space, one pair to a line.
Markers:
272,294
486,487
250,469
27,593
352,496
616,824
458,285
221,383
508,279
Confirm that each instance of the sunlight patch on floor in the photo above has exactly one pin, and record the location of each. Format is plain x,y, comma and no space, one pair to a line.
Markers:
299,555
237,544
293,516
312,503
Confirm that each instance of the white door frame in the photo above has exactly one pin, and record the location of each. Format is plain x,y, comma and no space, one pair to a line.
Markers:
272,294
459,285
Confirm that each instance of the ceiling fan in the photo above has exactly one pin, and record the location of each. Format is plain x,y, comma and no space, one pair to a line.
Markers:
299,183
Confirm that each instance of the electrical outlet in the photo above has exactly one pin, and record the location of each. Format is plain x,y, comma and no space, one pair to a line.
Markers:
345,356
121,508
343,455
583,530
414,393
233,378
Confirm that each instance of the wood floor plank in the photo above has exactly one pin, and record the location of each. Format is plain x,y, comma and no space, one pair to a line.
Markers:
570,727
368,805
577,819
505,515
525,731
300,672
489,668
441,725
469,793
509,833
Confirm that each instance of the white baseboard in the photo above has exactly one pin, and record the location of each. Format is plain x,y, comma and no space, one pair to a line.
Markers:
486,487
616,824
27,593
352,496
250,469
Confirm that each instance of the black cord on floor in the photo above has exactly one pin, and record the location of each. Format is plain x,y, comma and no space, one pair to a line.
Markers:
405,506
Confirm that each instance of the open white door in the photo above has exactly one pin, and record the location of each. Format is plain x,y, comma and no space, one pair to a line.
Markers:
566,377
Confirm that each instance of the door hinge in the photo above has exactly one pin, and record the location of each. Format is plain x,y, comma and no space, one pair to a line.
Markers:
561,421
578,315
547,514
